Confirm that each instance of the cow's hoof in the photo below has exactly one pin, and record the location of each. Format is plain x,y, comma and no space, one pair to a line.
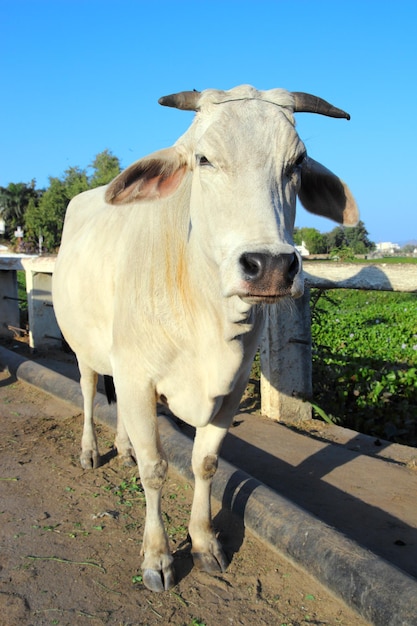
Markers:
127,460
210,563
158,581
90,460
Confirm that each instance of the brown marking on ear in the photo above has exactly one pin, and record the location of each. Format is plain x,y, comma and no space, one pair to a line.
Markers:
155,176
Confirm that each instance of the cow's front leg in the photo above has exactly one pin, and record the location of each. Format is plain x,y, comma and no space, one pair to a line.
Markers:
137,408
157,565
206,549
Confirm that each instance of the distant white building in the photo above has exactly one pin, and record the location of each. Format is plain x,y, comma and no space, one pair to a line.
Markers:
387,247
2,226
303,250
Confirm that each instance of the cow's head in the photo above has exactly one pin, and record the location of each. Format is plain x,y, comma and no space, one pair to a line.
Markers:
247,166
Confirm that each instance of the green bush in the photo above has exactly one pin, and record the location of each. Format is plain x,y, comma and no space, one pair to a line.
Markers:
365,361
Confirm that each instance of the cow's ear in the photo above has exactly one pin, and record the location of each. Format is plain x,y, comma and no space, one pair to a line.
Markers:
155,176
323,193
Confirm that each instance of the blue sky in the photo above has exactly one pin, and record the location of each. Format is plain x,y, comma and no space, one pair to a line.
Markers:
79,76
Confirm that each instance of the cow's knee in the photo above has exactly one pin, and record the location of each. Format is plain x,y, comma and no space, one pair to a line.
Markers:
154,475
208,467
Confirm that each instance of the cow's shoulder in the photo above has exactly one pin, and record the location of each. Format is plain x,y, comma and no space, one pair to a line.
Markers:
90,200
85,211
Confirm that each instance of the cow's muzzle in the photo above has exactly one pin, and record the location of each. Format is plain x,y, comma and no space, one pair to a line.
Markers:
268,277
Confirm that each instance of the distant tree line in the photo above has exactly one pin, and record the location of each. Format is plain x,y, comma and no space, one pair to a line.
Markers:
342,241
41,212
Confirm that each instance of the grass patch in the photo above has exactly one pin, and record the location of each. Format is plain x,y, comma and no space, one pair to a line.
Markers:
391,260
365,361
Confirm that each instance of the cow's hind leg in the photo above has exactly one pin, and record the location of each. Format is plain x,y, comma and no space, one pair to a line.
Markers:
207,552
122,442
125,449
90,457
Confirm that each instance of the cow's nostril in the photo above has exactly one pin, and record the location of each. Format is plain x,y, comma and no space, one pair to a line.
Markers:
293,267
253,265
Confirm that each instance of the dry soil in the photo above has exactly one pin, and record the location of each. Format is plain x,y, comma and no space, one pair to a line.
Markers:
70,539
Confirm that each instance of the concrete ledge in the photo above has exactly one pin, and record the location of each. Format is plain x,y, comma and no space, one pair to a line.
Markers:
372,276
381,593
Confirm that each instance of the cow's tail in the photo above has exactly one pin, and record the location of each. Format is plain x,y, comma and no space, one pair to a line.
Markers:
109,389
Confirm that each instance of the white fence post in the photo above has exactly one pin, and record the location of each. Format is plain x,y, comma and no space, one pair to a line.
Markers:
43,327
286,368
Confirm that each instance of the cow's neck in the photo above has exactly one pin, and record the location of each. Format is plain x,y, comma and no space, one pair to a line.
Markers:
216,338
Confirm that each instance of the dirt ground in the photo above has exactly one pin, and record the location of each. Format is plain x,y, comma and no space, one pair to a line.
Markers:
70,539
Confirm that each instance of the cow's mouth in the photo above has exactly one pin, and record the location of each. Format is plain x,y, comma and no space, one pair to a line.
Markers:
265,299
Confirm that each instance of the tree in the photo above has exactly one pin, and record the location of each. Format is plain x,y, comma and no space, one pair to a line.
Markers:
75,182
14,201
314,240
46,219
336,238
106,167
356,238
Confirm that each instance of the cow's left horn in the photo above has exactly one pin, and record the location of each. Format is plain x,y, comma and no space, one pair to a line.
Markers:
306,103
185,100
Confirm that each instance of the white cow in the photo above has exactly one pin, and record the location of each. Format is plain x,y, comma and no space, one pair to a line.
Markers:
163,274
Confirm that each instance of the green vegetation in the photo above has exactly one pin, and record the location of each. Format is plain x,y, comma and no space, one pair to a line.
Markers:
365,361
130,492
392,260
14,200
388,260
349,240
41,212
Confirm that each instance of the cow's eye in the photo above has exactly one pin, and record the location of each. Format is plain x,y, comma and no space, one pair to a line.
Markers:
203,161
294,167
300,160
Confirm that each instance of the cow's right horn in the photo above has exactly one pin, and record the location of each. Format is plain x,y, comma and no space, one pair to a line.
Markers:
184,100
306,103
